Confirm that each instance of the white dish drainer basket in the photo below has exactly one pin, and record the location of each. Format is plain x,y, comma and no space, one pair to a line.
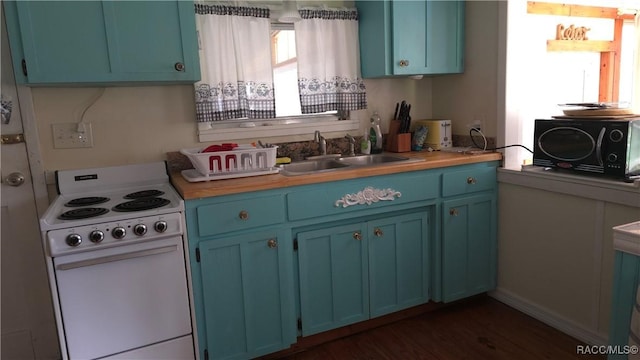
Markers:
243,161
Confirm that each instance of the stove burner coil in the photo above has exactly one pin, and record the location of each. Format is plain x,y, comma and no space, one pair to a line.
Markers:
86,201
82,213
144,194
141,204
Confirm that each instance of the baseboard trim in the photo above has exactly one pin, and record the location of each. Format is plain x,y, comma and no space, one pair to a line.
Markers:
548,317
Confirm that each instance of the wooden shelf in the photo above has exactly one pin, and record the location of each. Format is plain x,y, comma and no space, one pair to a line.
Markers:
581,45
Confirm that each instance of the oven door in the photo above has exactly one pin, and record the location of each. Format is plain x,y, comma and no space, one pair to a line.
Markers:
123,298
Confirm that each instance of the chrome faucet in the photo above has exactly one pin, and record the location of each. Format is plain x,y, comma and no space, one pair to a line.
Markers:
352,145
322,141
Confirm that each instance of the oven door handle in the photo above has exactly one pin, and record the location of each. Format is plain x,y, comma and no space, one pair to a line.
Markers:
118,257
599,146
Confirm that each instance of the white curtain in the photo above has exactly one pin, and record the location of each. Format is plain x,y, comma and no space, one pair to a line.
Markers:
328,54
235,63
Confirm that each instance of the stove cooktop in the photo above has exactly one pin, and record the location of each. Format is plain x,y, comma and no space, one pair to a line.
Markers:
65,211
99,195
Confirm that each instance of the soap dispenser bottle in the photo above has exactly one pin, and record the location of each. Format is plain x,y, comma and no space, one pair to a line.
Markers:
365,144
376,134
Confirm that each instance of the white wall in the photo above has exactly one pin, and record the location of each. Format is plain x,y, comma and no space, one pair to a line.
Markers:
473,95
556,256
141,124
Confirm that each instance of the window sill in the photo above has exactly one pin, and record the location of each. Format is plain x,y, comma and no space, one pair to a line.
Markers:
612,191
237,133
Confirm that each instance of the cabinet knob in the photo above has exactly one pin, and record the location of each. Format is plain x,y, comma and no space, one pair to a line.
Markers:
471,180
357,235
403,63
272,243
453,212
378,232
179,66
243,215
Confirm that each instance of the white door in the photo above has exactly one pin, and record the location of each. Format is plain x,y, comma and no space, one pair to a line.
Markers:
28,325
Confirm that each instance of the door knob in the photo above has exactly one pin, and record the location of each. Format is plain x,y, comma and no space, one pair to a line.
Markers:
14,179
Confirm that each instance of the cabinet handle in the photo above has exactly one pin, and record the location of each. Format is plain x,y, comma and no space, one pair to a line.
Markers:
272,243
24,67
471,180
357,235
453,212
378,232
403,63
243,215
179,66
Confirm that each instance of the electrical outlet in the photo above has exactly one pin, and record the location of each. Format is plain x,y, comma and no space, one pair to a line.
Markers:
72,135
474,125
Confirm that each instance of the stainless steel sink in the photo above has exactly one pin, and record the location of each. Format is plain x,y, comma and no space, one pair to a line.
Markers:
348,162
374,159
312,166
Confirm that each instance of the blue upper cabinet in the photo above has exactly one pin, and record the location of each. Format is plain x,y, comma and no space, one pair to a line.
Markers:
411,37
103,42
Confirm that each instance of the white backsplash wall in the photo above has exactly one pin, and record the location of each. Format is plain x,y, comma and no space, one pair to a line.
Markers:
141,124
470,96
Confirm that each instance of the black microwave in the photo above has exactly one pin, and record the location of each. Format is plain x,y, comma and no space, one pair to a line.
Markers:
610,147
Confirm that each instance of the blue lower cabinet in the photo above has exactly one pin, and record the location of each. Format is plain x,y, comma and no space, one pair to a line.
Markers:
268,266
399,262
333,268
469,246
626,273
247,295
350,273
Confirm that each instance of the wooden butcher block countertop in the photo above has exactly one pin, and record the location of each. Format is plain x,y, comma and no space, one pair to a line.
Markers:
432,160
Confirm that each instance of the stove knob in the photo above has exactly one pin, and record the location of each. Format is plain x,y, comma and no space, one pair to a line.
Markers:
118,232
160,226
612,157
140,229
96,236
74,240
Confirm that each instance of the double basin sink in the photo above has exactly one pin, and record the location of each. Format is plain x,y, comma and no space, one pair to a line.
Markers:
336,163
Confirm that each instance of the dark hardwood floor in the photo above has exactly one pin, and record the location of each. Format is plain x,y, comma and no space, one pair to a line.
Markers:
481,328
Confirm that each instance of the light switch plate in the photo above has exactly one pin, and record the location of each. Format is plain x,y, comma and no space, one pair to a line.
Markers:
67,136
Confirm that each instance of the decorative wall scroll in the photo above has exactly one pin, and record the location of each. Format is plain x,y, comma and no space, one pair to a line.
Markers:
571,32
368,196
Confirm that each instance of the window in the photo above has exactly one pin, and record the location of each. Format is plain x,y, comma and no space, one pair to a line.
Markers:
285,72
289,119
537,80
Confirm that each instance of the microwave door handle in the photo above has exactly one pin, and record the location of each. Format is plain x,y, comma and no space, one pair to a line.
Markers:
599,146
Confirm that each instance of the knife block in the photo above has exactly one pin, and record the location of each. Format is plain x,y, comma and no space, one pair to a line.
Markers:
398,142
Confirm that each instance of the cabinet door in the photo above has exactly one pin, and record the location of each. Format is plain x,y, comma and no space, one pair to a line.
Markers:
248,298
62,41
151,41
398,263
97,42
411,37
334,288
468,246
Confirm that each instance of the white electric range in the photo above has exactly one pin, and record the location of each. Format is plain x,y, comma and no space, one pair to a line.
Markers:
114,244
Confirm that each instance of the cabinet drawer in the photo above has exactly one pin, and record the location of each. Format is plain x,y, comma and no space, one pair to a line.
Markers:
353,195
239,215
468,181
